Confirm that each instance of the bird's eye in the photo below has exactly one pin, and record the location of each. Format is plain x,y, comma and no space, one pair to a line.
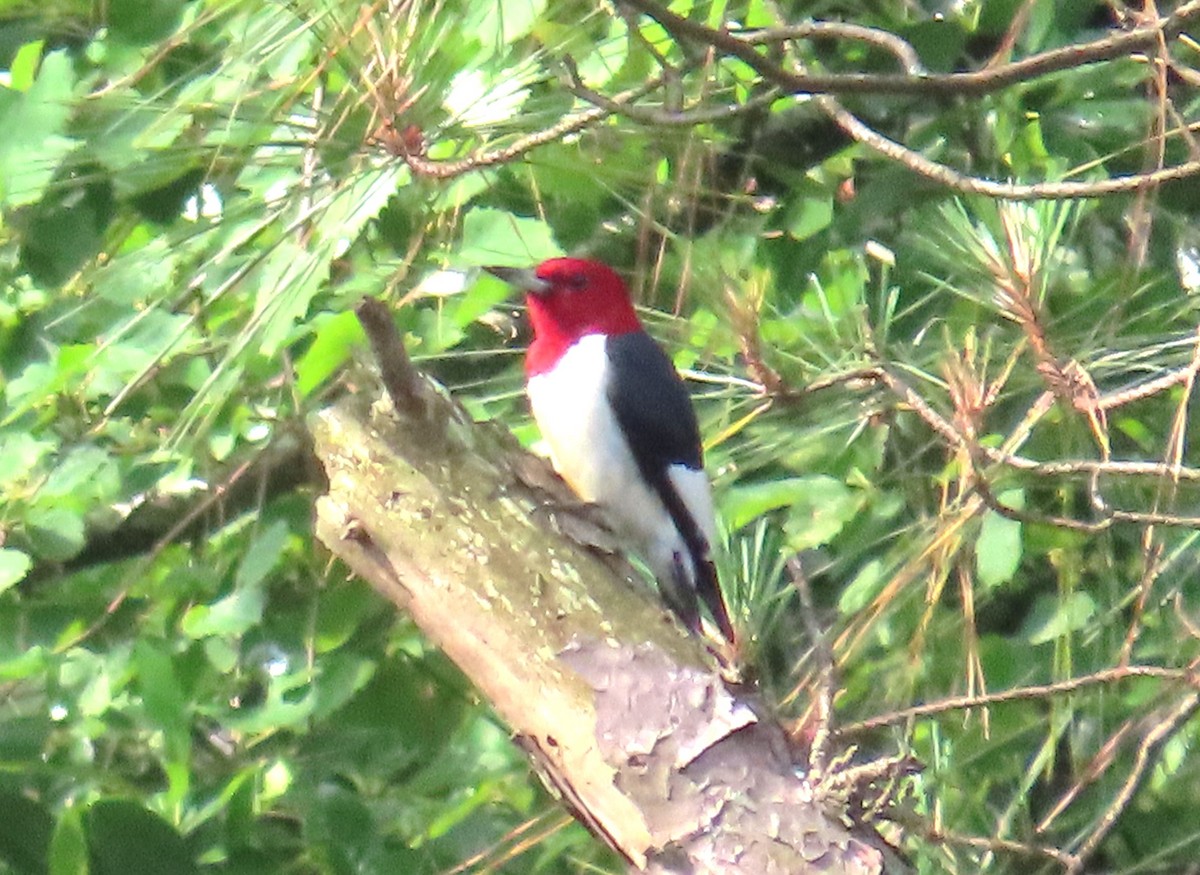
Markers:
578,282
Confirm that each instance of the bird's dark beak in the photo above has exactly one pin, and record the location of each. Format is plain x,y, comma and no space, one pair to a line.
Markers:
522,278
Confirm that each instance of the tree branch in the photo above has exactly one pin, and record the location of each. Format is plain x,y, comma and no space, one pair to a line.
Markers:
973,83
622,712
1105,677
951,178
287,464
746,45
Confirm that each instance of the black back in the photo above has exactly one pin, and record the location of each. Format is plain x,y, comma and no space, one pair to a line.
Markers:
652,405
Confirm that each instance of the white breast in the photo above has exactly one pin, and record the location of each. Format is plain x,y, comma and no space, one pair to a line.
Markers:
589,450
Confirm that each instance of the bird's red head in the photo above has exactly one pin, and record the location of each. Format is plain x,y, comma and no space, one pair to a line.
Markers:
569,298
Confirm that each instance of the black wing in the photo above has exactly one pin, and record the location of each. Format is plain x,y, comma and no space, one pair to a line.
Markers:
651,404
654,411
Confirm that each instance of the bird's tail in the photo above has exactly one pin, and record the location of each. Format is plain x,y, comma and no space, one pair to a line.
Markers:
680,597
681,591
694,573
709,590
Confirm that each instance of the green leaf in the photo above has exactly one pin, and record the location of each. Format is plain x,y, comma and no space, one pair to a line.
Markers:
290,276
476,99
35,126
162,695
28,663
242,609
221,653
500,23
144,21
386,704
998,548
345,822
293,273
744,504
496,237
25,828
818,507
65,229
126,145
21,453
36,384
24,66
341,610
862,589
55,533
343,677
262,555
479,298
14,565
126,839
68,846
460,191
809,216
1053,618
234,614
87,470
283,706
336,335
818,522
741,505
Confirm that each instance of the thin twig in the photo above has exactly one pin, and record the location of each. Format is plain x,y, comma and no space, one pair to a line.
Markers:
958,181
1015,28
899,47
1107,515
490,157
683,117
818,759
921,407
1140,217
1166,492
972,83
1112,468
1144,759
1120,397
960,703
1007,846
1105,757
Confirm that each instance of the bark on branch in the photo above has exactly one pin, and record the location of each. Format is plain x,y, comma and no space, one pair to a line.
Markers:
624,714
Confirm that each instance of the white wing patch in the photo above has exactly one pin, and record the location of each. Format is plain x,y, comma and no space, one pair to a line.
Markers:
589,450
693,487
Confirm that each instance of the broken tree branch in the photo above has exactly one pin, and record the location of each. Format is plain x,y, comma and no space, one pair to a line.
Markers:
625,715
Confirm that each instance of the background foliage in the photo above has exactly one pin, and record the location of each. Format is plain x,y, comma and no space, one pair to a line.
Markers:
968,417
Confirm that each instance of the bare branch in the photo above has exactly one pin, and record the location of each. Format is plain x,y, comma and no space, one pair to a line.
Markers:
1164,725
818,757
995,78
961,703
958,181
1007,846
414,156
662,117
899,47
400,378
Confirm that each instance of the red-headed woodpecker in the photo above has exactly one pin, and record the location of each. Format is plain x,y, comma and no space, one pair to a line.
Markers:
620,426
